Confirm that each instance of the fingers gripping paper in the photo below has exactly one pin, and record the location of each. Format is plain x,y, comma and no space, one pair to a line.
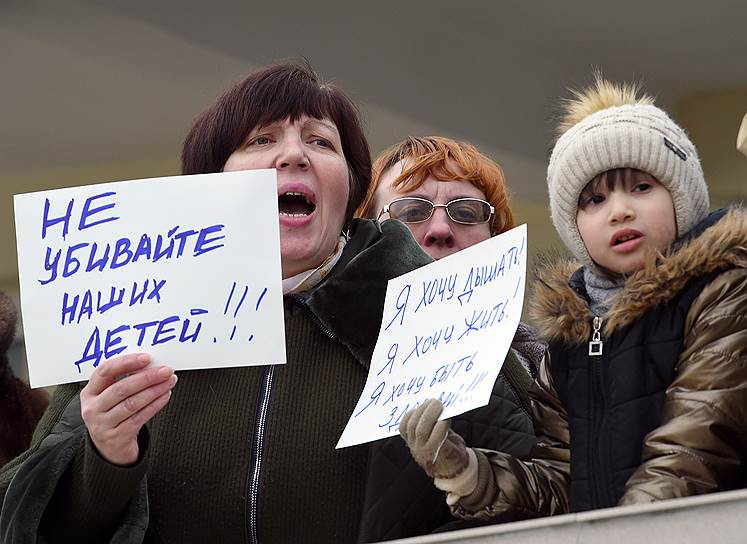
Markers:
171,266
445,331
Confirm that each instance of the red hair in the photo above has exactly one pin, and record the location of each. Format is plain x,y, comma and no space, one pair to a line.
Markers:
445,160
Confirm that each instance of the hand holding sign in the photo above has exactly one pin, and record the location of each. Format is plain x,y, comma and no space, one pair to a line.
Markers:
437,449
120,397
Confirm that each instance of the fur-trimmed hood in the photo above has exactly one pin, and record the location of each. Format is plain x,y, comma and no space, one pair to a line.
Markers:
560,313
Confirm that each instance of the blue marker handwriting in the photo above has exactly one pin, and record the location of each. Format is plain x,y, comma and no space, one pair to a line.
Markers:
451,371
480,319
89,256
100,302
110,342
487,273
485,318
437,289
447,397
86,213
106,343
421,346
442,290
242,297
401,304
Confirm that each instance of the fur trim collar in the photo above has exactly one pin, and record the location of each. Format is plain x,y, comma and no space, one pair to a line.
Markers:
561,314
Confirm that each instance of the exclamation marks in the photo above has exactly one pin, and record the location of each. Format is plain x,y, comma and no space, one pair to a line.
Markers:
240,303
261,296
238,307
518,284
521,277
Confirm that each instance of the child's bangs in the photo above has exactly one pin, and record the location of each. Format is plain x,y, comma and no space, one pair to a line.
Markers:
608,181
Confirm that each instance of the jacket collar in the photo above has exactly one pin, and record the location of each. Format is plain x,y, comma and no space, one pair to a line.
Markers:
350,301
559,307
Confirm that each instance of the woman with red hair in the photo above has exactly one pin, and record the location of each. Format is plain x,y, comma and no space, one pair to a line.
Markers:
451,197
415,177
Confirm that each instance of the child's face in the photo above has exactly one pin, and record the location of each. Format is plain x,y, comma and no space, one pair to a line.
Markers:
621,221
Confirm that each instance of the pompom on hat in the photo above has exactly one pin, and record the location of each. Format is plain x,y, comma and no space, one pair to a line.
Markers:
606,127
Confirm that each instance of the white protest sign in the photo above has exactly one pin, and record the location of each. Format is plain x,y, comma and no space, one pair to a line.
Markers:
445,331
185,268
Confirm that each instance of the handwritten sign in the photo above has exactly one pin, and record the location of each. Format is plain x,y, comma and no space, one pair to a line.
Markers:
445,332
186,268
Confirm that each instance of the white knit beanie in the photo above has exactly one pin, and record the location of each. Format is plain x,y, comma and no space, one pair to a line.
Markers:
639,136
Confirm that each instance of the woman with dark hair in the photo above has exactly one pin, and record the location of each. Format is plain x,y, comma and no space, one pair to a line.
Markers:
247,454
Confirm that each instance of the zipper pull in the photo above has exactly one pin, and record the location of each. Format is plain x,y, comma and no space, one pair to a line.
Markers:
595,346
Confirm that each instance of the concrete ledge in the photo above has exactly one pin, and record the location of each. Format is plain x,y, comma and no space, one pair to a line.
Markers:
715,518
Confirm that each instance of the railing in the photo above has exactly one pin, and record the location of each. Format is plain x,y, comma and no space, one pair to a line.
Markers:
719,518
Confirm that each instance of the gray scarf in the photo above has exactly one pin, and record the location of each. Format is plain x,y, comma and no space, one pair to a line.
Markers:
601,290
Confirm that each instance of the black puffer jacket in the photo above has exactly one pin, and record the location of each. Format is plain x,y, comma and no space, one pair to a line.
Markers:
614,399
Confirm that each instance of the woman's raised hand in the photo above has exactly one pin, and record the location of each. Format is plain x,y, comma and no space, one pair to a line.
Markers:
120,397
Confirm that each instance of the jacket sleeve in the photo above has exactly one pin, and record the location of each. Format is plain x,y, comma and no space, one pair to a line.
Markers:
509,488
700,445
61,484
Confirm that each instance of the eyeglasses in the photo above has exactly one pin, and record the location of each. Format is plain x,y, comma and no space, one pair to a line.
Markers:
465,211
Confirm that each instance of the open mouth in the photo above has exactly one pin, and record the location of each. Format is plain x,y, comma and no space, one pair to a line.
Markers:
626,238
295,204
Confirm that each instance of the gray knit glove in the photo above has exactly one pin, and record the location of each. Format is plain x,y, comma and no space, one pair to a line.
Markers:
439,450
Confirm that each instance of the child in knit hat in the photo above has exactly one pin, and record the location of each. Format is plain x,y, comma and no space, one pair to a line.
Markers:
642,393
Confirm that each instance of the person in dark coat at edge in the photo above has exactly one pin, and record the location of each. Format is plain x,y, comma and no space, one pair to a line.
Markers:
642,394
248,454
20,407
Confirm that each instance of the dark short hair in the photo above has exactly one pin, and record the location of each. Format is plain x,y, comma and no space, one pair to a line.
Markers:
282,91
